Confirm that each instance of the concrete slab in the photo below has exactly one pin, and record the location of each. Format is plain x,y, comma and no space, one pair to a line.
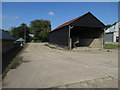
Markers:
45,67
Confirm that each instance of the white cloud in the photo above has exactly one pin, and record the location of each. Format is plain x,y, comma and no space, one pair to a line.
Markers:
51,13
16,17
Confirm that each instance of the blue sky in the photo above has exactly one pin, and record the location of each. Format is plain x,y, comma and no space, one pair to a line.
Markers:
15,13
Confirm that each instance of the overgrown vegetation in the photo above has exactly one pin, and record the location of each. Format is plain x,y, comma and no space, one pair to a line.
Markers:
13,65
50,46
12,60
56,47
16,62
37,41
109,46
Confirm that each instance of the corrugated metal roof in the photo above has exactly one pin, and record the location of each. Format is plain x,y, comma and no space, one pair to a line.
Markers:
6,36
114,28
69,22
20,39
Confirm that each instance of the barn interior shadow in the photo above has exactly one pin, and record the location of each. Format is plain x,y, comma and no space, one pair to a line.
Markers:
83,43
84,36
8,56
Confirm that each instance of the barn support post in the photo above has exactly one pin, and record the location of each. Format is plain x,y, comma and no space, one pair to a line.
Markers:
104,38
69,38
119,37
114,37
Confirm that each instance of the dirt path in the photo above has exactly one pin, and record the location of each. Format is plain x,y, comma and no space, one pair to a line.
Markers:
44,67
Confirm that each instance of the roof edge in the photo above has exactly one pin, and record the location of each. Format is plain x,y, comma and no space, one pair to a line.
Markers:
69,22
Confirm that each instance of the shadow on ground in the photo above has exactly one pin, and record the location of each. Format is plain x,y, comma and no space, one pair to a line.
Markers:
8,57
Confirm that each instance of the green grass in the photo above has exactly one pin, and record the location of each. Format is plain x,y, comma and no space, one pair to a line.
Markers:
50,46
16,62
40,42
37,42
109,46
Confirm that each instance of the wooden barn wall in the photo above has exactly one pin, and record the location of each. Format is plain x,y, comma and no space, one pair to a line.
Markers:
59,37
7,45
88,20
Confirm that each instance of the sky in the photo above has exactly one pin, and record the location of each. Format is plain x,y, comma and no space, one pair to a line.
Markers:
16,13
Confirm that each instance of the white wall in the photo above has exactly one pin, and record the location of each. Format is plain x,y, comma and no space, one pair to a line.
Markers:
115,30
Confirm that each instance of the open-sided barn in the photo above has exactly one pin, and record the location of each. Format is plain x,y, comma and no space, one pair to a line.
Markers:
85,30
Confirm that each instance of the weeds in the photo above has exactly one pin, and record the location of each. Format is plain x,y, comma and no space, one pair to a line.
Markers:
50,46
13,65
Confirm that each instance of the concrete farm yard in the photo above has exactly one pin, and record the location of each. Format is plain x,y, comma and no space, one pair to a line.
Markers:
44,67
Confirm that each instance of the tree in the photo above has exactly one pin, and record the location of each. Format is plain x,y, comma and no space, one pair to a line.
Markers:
8,32
40,29
15,32
25,32
107,26
21,32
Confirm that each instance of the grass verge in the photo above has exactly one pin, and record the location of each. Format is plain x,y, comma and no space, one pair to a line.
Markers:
109,46
13,65
50,46
57,47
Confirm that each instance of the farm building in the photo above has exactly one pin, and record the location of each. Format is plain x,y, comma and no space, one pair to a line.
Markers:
112,33
85,30
20,41
7,42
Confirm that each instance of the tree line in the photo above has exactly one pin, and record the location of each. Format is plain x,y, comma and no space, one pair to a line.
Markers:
39,29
